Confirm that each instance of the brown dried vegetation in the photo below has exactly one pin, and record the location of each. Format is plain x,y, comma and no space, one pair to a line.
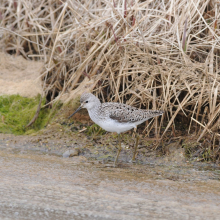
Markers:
153,54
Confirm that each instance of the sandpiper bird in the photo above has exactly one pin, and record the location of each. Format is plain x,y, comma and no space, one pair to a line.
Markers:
115,117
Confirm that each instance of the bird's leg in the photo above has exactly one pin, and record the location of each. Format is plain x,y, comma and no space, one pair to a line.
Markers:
136,145
119,149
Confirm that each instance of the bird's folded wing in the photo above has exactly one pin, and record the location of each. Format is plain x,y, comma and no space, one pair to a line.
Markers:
125,114
119,118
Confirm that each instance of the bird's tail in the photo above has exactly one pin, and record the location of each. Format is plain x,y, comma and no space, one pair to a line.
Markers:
154,113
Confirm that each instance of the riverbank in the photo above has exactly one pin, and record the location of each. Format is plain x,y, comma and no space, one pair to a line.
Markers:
38,184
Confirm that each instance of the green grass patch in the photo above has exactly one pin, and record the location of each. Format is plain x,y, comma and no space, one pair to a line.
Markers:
16,112
95,130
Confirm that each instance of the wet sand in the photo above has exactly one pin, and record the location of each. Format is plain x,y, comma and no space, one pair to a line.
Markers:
38,186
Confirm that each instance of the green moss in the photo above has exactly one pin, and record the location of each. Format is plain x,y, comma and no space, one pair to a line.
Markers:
16,112
95,130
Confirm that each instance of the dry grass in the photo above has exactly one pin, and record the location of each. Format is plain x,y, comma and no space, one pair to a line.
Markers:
159,54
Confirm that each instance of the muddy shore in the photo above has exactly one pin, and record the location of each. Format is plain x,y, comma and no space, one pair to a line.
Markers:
38,182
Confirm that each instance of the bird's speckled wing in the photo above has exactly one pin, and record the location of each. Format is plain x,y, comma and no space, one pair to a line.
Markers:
126,113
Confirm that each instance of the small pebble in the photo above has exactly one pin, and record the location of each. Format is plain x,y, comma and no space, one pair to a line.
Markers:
71,153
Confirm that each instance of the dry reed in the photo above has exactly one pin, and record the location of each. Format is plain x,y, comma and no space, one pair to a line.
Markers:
159,54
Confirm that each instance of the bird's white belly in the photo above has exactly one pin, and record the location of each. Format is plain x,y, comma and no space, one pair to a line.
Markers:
114,126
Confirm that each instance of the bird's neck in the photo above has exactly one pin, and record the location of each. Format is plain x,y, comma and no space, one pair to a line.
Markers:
95,107
94,112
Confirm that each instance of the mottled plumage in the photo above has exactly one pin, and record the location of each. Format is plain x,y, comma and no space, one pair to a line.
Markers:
126,113
114,117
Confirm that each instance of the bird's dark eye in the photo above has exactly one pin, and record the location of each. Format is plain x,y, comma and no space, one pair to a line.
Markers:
86,101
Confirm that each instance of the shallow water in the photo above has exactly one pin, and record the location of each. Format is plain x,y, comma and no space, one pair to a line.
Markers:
37,186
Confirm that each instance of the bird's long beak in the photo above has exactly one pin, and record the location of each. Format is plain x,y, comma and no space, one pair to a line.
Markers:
75,112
